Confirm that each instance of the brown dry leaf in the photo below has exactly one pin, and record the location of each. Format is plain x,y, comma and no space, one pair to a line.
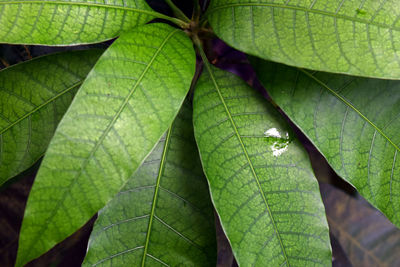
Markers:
366,235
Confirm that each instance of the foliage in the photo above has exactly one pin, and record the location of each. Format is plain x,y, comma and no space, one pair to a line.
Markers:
152,164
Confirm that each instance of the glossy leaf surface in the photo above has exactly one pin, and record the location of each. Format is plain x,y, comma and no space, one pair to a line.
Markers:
354,122
260,177
354,37
64,22
34,96
366,236
125,105
163,216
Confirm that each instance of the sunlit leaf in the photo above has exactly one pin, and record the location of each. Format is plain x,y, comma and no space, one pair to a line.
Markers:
360,37
260,177
125,105
354,122
69,22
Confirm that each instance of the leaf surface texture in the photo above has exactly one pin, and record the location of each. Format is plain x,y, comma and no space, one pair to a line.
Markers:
125,105
367,237
354,37
69,22
261,180
34,96
354,122
163,216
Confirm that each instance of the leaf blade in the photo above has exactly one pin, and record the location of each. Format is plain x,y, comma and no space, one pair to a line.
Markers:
245,196
353,37
61,22
363,143
32,103
171,180
367,237
125,105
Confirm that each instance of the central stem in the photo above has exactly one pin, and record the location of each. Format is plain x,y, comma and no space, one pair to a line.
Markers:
177,11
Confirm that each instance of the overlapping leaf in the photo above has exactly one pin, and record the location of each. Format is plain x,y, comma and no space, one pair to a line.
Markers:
353,121
66,22
123,108
366,236
34,95
163,216
261,181
357,37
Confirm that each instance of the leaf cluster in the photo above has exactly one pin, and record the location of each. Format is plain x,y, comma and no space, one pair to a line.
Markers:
152,136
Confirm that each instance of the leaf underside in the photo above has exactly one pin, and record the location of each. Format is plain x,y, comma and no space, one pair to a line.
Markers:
34,96
367,237
355,37
261,181
353,121
68,22
163,216
125,105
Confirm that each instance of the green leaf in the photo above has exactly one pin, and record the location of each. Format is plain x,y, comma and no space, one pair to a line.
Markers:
366,236
355,37
163,216
34,96
69,22
126,104
354,122
260,177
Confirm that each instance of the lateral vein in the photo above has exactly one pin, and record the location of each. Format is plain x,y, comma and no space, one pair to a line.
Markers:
347,103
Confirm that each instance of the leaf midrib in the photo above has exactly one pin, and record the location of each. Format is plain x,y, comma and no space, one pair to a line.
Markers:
155,196
348,104
307,10
106,130
40,106
87,4
207,64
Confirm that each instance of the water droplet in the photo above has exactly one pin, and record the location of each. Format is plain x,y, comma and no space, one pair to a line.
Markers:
273,132
279,144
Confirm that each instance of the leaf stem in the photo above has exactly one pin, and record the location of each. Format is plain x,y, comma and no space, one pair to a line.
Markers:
198,44
177,11
196,11
176,21
199,69
205,2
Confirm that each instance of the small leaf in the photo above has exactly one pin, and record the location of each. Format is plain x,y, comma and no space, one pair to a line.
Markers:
367,237
354,122
164,213
69,22
356,37
260,177
34,95
126,104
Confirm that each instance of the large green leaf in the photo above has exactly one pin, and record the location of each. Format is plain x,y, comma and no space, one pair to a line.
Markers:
126,104
356,37
34,95
163,216
354,122
260,177
67,22
366,236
